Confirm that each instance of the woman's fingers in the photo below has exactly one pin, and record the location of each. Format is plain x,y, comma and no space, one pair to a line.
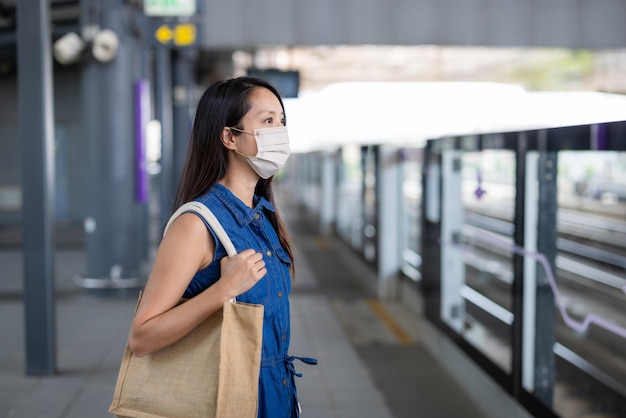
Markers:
243,270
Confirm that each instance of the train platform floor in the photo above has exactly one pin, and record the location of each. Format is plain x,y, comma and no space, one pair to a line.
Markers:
372,360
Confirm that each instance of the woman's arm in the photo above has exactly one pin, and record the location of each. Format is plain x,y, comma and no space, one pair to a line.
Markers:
186,248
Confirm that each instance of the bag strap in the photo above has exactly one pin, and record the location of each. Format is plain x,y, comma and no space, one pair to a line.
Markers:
214,223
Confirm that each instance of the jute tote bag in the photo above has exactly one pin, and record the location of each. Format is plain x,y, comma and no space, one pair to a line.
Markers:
212,372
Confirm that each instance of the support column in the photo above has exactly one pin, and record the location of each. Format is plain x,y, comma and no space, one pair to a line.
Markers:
452,267
327,193
389,219
431,248
116,218
182,119
36,135
524,186
163,104
529,270
545,322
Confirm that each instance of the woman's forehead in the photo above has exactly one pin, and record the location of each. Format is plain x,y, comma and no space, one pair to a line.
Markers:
263,100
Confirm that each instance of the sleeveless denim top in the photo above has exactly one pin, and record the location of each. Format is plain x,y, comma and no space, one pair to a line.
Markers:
250,228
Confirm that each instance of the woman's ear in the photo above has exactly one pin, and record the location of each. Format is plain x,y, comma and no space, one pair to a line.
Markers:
228,139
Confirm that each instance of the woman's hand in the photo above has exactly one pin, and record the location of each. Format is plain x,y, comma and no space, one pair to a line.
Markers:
241,272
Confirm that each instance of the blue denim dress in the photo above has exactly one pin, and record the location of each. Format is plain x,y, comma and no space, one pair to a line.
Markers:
250,228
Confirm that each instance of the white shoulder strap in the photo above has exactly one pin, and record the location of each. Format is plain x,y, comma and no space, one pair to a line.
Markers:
208,216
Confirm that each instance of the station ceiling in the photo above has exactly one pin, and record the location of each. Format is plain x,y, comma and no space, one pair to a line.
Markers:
250,24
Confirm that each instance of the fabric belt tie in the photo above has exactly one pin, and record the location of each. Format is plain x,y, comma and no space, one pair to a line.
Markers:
291,367
292,370
288,361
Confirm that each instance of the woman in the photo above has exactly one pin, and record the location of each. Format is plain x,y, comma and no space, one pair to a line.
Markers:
238,142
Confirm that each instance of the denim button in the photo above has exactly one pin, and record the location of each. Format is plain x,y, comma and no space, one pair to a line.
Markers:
256,216
280,294
269,253
284,382
284,337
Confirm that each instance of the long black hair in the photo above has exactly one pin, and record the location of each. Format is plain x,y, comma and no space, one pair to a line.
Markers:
223,103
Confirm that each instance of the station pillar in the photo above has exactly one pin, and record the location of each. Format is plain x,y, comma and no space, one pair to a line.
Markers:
547,235
163,109
327,201
183,80
389,222
452,219
36,134
116,219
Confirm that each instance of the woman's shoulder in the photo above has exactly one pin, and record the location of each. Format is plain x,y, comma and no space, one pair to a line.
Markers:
217,202
210,199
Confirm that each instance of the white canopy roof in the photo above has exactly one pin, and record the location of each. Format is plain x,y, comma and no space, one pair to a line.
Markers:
412,112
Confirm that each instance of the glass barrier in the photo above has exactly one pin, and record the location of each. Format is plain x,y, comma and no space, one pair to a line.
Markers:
369,156
487,205
532,262
590,281
349,222
411,237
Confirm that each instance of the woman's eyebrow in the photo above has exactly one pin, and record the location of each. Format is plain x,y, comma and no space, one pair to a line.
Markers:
271,112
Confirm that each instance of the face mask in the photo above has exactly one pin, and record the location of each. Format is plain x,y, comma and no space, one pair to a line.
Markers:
272,146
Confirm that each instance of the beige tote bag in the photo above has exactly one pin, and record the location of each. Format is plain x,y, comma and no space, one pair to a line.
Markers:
211,372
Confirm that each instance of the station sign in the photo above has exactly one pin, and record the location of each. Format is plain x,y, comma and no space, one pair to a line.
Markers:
172,8
183,34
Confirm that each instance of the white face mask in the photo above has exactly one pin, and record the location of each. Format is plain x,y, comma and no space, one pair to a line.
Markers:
272,146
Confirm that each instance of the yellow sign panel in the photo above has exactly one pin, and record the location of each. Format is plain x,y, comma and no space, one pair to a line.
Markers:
164,34
185,34
182,35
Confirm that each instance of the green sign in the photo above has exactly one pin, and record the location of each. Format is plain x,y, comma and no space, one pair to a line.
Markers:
169,7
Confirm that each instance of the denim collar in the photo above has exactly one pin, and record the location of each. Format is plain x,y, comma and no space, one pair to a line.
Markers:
242,213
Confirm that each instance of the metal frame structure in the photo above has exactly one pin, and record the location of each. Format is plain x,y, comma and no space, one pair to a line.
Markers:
535,228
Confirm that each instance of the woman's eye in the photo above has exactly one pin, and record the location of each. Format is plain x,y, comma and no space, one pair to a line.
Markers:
270,121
